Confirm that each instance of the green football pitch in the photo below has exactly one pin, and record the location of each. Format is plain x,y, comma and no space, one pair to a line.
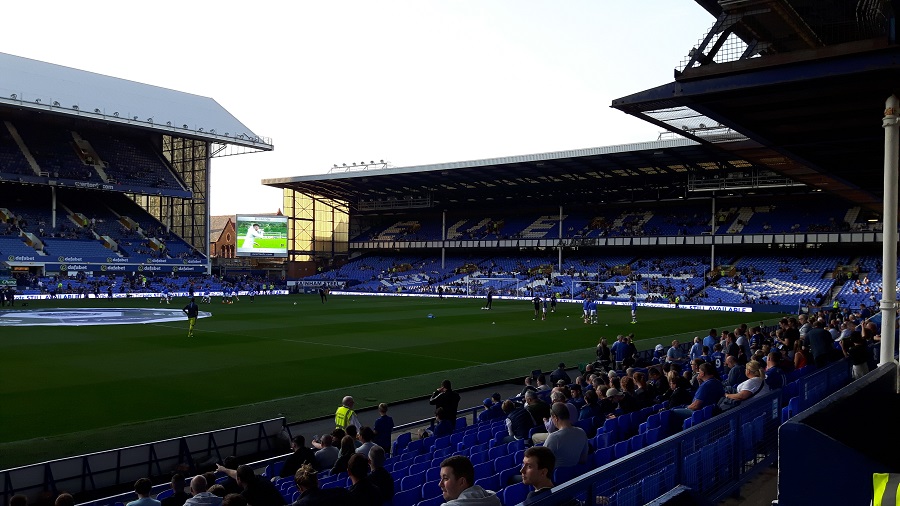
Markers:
73,389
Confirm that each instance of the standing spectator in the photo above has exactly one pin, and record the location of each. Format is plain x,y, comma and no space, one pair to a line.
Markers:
696,349
445,397
142,489
735,371
383,427
821,344
675,355
856,349
344,416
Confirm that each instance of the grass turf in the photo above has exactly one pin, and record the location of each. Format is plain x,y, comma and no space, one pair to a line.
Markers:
70,390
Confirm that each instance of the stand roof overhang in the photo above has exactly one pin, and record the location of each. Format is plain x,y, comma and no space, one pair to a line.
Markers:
33,85
814,116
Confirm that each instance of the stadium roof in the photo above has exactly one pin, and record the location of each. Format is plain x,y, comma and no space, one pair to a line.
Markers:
657,170
38,86
806,83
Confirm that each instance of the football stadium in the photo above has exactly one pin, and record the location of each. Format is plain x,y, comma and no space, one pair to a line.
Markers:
700,315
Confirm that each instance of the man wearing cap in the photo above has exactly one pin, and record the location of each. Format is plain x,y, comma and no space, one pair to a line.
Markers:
345,415
493,409
560,374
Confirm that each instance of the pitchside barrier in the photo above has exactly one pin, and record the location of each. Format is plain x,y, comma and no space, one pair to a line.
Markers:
828,453
97,471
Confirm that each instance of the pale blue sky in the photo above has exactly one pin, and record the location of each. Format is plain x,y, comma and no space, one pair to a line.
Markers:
410,82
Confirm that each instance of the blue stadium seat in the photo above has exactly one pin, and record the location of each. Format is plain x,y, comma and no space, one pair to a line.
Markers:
605,439
491,482
468,440
432,474
164,494
419,467
515,493
602,456
504,462
479,457
508,473
484,469
400,443
412,481
431,488
652,436
434,501
514,446
498,451
636,442
460,424
622,449
440,443
407,497
566,473
587,425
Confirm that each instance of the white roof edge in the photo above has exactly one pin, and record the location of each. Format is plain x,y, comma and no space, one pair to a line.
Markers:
537,157
47,87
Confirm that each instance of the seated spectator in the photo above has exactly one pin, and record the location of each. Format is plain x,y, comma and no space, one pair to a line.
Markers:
537,470
518,421
179,496
529,386
234,500
66,499
142,489
709,393
383,427
257,491
311,495
560,374
301,455
754,384
644,392
347,450
457,482
568,443
735,371
327,455
445,425
537,408
229,484
680,391
362,491
353,432
775,377
379,476
591,406
548,422
493,408
201,495
366,435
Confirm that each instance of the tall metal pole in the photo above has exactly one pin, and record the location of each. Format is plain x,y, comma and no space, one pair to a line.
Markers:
559,268
891,125
443,239
712,235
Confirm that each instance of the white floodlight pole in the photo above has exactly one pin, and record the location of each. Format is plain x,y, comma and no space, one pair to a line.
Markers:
891,125
559,267
444,239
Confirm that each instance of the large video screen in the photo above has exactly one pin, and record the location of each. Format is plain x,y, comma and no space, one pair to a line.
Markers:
261,236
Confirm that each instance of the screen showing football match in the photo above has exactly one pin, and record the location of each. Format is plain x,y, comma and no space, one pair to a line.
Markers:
261,236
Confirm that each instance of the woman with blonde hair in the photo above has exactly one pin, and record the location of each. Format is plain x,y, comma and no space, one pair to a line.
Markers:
755,383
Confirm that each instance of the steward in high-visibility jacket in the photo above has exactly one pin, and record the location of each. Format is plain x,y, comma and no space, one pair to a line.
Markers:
887,489
345,415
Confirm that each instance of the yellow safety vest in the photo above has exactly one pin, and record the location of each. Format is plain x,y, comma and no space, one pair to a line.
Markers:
887,489
342,417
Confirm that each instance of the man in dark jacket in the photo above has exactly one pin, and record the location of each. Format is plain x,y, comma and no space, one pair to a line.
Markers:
560,374
518,421
445,397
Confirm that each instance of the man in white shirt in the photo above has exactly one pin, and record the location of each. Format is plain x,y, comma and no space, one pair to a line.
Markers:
253,232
